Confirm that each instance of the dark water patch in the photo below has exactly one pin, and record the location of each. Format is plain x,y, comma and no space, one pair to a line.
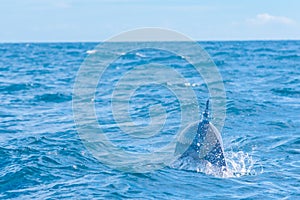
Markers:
169,59
3,69
12,180
13,87
53,97
288,57
4,115
279,124
220,62
293,81
266,50
286,92
266,67
222,53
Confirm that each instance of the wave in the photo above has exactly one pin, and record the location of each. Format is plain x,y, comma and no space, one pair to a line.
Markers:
288,57
14,87
264,49
286,91
53,97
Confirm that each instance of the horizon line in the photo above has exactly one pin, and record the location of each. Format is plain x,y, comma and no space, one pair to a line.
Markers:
94,41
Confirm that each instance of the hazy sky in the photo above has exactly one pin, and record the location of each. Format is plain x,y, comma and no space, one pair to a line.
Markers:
97,20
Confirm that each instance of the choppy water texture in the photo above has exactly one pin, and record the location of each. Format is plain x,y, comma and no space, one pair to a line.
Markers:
43,157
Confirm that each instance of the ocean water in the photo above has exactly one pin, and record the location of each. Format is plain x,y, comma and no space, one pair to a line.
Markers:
43,157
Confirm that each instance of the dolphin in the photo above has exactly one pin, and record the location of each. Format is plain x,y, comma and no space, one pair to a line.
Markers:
206,146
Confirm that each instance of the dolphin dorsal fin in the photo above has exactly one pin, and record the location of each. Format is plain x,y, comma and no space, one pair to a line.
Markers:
205,115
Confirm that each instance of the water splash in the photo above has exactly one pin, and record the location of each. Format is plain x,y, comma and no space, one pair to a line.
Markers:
241,164
238,164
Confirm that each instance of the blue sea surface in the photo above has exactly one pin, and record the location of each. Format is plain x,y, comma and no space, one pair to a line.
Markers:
43,157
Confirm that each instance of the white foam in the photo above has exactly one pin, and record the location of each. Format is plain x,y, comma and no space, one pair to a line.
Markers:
91,51
140,55
238,164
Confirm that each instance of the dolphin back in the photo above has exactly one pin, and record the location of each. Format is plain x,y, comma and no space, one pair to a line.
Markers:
202,142
211,145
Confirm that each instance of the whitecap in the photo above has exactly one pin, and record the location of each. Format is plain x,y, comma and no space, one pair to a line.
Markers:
91,51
